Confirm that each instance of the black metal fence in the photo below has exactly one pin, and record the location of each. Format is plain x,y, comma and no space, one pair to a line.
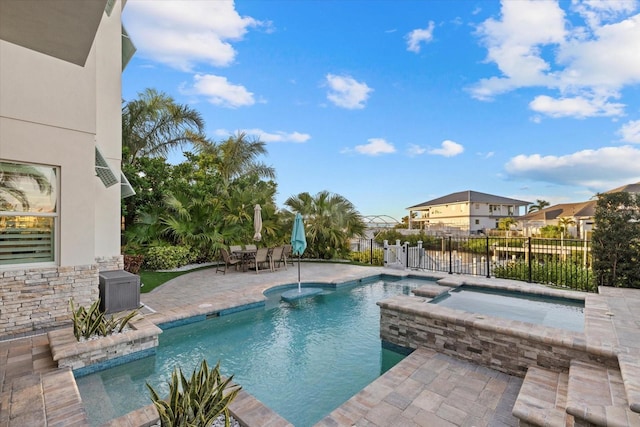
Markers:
367,251
560,262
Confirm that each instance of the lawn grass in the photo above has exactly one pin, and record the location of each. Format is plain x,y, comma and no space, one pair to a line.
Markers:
153,279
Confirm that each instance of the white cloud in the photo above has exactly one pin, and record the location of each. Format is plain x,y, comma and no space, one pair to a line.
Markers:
448,149
415,150
279,136
375,146
181,33
597,11
514,43
487,155
346,92
607,61
599,170
630,132
578,107
417,36
587,65
264,136
218,91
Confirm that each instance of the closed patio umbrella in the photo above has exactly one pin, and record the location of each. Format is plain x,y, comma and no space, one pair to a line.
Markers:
257,223
298,241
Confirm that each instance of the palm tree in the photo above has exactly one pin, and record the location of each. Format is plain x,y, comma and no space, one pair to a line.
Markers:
330,221
565,222
237,156
506,223
154,124
538,206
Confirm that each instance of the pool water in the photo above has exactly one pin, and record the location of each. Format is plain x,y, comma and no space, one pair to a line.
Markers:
562,313
301,359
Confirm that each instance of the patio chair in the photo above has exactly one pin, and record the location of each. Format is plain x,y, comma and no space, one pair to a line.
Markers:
286,255
250,247
233,249
228,261
262,257
276,257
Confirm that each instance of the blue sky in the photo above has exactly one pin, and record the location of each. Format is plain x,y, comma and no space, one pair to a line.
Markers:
393,103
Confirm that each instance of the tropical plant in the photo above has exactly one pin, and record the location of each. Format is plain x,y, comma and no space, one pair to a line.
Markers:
237,156
151,179
330,221
199,401
616,240
550,231
565,222
154,124
89,322
538,206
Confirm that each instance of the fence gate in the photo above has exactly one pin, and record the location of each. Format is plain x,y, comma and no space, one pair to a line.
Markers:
395,256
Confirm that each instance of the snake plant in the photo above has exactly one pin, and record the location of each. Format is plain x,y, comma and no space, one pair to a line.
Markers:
88,322
198,401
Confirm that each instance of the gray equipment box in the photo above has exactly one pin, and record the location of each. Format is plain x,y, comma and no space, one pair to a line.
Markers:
119,291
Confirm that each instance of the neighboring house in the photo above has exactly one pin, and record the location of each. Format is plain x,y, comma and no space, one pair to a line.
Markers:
60,150
580,213
465,211
629,188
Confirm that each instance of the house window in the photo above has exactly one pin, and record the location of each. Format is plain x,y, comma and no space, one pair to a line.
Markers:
28,213
477,222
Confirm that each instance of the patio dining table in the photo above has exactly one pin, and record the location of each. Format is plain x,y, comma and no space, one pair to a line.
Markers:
245,256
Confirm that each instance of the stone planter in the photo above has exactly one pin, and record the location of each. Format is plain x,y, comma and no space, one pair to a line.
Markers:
95,355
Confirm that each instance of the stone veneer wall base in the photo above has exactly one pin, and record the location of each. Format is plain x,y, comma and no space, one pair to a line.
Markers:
89,356
508,346
36,299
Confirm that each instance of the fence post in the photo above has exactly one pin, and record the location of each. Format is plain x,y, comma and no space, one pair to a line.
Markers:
385,253
371,252
405,248
450,255
488,262
529,251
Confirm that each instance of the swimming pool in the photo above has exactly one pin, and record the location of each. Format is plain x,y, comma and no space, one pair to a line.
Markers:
301,359
543,310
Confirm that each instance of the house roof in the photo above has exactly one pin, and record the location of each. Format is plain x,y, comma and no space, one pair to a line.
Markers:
629,188
471,197
575,210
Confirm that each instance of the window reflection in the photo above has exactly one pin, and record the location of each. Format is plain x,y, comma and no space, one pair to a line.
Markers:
28,213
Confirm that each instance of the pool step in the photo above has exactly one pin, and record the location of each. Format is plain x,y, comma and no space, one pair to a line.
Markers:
596,397
542,399
49,398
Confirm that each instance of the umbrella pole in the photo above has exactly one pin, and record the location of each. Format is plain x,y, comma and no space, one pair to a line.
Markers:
299,290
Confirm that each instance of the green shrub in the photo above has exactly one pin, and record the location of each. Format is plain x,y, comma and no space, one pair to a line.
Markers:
168,257
91,321
550,273
195,402
364,257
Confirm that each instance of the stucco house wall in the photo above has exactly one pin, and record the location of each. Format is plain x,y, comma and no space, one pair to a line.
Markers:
54,113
